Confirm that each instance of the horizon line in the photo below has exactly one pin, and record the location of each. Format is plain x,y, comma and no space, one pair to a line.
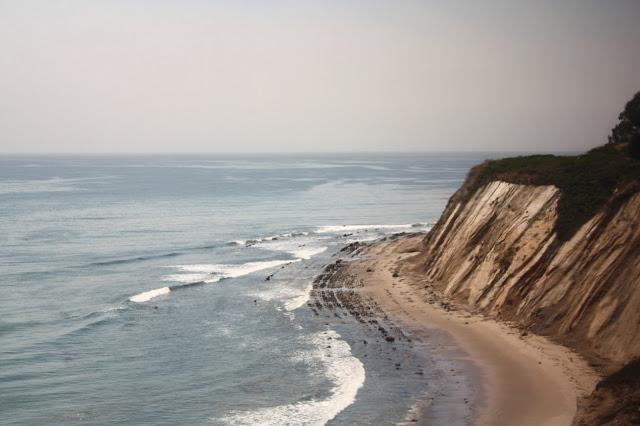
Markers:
240,153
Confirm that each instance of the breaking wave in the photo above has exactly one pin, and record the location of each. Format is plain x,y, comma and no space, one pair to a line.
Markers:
345,371
331,229
204,274
148,295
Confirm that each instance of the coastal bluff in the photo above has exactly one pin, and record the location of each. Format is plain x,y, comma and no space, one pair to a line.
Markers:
498,252
550,245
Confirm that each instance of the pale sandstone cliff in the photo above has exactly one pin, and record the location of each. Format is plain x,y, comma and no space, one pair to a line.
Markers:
496,251
552,245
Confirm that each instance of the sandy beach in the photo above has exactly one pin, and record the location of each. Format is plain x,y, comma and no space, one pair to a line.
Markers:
522,379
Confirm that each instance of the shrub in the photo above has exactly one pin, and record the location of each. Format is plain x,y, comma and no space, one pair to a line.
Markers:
627,131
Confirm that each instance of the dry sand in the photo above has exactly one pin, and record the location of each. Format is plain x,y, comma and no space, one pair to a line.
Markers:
526,380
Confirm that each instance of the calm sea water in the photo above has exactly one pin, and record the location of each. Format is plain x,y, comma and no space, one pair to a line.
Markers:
100,320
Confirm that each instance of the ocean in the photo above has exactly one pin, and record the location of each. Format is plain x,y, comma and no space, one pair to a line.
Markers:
173,289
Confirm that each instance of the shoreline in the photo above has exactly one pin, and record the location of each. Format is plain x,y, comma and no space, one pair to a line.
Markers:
516,379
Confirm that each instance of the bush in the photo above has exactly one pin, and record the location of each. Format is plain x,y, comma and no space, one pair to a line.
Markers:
627,131
634,146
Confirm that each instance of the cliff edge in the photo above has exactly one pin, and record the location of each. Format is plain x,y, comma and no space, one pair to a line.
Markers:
552,245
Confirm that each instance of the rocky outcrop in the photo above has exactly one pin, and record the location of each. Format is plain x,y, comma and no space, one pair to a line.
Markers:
616,399
496,250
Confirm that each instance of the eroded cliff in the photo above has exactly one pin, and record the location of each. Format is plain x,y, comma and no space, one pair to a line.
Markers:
496,251
552,245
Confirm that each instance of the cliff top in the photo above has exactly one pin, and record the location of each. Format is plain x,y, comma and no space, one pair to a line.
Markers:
586,182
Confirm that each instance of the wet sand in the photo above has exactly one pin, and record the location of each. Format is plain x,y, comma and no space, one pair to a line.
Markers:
516,380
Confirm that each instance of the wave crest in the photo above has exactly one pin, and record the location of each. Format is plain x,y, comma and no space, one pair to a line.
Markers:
341,367
210,273
148,295
331,229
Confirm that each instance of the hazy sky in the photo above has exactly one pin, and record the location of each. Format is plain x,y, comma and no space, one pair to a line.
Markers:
246,76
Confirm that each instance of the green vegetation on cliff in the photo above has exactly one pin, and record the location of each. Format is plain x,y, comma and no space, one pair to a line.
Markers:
627,131
586,182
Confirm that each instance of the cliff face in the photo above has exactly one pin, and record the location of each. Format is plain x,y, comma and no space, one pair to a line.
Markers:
496,250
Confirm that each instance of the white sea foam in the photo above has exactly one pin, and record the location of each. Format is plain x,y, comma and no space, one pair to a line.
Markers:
303,247
298,301
361,239
211,273
191,278
278,237
292,297
298,244
330,229
232,271
345,371
308,252
148,295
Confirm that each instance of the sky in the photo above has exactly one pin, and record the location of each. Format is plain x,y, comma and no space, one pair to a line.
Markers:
89,76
